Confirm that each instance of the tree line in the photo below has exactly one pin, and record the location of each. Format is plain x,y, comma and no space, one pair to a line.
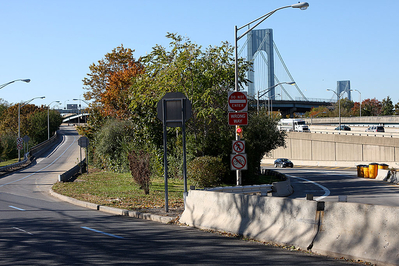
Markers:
33,123
368,107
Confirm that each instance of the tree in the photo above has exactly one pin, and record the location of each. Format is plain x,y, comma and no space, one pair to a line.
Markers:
204,77
261,136
387,107
371,107
109,80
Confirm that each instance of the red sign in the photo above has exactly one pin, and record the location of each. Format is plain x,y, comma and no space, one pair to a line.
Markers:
238,101
238,146
238,119
238,161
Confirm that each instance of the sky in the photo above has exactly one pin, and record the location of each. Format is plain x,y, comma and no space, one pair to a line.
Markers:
53,42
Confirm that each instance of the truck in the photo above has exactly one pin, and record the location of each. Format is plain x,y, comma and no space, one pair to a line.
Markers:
292,124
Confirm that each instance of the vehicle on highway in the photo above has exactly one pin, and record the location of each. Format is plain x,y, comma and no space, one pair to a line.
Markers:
291,124
343,127
375,129
283,162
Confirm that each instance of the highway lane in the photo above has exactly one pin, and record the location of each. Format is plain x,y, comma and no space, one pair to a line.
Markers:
328,183
37,229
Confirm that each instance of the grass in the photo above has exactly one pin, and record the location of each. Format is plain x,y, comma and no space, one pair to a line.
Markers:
8,162
119,190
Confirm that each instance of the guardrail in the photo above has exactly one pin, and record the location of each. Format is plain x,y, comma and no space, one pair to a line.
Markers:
70,175
262,189
29,156
354,133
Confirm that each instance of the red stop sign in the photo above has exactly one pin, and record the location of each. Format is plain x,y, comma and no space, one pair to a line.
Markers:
238,101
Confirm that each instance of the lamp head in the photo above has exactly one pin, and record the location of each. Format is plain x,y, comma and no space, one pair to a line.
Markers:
302,5
291,83
25,80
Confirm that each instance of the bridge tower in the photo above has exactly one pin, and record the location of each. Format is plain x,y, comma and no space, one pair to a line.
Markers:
261,40
344,86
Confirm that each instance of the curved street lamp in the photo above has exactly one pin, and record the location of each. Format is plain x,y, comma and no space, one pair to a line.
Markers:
48,117
8,83
88,104
19,120
267,90
302,6
360,101
339,105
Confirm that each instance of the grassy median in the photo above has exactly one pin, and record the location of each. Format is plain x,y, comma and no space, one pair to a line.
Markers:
119,190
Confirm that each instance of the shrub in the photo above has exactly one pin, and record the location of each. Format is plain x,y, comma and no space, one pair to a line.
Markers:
206,171
139,163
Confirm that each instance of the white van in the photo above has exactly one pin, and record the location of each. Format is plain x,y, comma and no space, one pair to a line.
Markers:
292,124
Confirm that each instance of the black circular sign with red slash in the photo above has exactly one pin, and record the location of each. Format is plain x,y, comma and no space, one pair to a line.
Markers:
238,146
239,162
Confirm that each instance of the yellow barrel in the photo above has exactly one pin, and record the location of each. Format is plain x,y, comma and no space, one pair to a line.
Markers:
373,170
382,166
360,171
365,169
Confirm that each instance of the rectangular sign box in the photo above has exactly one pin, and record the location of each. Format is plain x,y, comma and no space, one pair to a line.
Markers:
238,119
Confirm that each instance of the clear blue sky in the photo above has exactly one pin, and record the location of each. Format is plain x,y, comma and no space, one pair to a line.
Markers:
53,42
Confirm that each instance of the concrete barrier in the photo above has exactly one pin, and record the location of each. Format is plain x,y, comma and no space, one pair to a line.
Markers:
359,231
350,230
280,220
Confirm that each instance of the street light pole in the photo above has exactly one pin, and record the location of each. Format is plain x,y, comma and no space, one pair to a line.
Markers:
360,101
8,83
48,118
19,120
339,105
302,6
267,90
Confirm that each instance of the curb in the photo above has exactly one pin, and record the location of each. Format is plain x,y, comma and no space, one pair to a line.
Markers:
116,211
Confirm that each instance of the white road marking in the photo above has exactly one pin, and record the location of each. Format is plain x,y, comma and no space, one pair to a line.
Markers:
19,209
97,231
326,190
38,171
22,230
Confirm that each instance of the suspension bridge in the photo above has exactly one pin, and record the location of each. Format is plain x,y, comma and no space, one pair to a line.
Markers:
271,76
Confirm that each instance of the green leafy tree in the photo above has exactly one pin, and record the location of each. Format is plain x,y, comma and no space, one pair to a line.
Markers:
387,107
261,136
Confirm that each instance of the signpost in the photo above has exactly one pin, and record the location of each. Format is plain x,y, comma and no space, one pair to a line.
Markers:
83,142
238,116
174,109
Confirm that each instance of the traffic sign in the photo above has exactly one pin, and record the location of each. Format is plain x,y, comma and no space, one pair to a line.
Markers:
238,146
238,119
237,101
20,142
238,161
83,142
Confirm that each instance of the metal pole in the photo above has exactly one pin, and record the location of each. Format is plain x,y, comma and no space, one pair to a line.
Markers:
48,122
165,159
183,101
19,130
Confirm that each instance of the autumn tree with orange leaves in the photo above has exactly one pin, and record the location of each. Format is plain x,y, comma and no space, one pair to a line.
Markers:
109,80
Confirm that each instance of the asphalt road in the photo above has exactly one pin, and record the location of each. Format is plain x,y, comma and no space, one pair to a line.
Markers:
37,229
328,183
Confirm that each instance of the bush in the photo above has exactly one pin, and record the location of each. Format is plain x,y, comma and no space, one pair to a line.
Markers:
206,171
139,163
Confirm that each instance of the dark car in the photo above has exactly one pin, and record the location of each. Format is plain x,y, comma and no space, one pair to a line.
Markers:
343,127
282,162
